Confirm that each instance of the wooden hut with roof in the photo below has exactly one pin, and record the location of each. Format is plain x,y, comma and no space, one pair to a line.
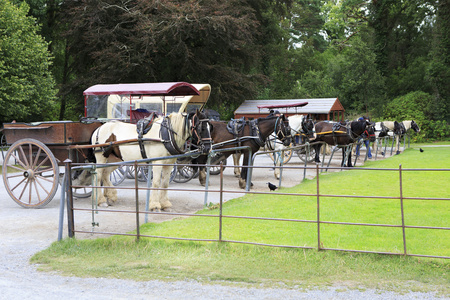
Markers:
320,109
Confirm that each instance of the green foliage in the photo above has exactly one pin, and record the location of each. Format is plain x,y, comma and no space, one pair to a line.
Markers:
27,90
418,106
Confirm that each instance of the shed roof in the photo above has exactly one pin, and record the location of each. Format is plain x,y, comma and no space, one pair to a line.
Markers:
315,106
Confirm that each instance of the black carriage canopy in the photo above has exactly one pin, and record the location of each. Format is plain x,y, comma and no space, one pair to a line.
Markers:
125,101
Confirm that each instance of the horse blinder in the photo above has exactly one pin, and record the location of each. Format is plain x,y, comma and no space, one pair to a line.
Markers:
201,133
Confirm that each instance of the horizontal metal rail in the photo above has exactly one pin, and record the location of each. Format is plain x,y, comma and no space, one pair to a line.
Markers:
318,221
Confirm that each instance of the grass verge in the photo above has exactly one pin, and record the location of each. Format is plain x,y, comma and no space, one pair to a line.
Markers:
123,257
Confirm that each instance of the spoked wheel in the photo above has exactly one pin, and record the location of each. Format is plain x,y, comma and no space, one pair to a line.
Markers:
33,177
303,155
3,146
143,173
118,175
215,170
82,192
184,173
286,158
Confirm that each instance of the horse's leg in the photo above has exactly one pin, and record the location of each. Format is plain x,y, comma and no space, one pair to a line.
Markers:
277,161
349,157
165,179
317,149
101,199
202,175
154,203
97,192
244,170
109,193
236,159
397,144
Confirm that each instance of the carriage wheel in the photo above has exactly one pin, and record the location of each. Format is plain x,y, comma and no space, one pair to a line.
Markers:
3,146
82,192
143,173
215,170
32,181
303,155
118,175
286,158
184,174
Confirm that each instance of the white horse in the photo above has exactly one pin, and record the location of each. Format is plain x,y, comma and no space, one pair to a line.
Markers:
166,136
380,131
299,127
398,130
296,122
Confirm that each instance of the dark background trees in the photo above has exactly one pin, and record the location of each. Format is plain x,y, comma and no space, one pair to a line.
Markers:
365,52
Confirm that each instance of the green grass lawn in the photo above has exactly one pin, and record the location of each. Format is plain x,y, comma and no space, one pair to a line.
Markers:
430,184
123,257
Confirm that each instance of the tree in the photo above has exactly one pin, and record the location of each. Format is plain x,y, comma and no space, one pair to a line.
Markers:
27,90
438,71
154,41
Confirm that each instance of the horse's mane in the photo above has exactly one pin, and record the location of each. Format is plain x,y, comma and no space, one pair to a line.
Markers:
179,126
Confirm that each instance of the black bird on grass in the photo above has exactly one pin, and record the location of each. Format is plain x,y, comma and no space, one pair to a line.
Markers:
421,150
272,187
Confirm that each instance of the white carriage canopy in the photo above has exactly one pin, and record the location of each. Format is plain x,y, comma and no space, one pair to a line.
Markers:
131,101
319,109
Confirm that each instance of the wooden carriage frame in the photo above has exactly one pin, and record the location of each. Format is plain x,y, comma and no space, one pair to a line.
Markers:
36,151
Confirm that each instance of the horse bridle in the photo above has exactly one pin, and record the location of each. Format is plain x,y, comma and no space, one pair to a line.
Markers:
281,127
197,129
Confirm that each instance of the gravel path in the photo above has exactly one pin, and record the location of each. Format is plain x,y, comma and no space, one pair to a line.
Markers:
24,232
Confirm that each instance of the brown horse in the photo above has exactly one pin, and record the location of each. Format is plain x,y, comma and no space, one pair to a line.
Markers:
339,134
253,134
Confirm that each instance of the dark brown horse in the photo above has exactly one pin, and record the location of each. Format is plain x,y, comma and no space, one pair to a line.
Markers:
339,134
253,134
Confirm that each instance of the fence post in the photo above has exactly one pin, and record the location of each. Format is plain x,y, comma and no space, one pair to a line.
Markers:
221,202
70,222
318,207
136,188
401,207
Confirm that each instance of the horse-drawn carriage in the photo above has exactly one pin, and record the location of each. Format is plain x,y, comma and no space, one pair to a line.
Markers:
36,151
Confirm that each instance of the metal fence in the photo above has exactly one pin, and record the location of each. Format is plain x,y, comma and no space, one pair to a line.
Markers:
318,221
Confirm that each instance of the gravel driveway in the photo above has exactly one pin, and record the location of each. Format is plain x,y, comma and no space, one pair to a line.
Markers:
24,232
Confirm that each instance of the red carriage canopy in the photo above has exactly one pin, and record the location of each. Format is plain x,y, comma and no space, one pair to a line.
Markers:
153,89
299,104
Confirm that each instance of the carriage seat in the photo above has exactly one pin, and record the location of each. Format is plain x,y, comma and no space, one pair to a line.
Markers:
235,126
145,124
140,113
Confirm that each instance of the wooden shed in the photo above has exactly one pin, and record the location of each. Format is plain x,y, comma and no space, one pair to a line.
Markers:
320,109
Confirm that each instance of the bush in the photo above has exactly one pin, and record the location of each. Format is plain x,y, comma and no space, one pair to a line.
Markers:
420,107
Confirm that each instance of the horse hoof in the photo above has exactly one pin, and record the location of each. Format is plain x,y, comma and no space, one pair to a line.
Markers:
104,204
168,209
155,210
382,153
398,152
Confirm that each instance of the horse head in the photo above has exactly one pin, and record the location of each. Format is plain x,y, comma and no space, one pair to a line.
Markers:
371,132
414,126
201,131
283,130
359,127
308,127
